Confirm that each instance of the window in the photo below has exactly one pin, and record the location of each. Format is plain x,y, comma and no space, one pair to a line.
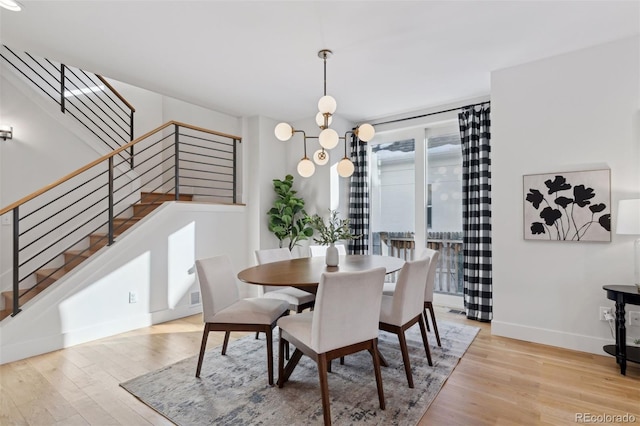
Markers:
444,206
392,193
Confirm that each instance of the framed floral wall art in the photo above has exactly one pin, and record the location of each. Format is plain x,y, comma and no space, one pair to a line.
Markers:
568,206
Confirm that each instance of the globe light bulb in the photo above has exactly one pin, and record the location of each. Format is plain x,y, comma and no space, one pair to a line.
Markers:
328,138
283,131
306,168
320,120
327,104
345,167
366,132
321,157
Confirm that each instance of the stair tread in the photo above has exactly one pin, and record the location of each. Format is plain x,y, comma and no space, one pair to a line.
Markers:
81,252
59,273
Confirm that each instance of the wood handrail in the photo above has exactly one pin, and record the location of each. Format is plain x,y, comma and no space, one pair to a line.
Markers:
106,83
106,157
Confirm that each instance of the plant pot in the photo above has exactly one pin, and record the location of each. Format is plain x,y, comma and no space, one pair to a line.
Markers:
332,257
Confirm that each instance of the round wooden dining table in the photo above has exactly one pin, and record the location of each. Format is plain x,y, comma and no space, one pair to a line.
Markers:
305,272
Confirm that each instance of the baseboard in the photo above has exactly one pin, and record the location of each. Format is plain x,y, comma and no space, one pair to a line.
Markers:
573,341
12,352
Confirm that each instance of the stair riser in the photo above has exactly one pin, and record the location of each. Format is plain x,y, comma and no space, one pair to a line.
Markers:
150,197
71,261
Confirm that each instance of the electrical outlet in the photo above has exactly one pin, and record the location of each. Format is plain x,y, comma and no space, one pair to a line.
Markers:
133,297
605,310
195,298
634,317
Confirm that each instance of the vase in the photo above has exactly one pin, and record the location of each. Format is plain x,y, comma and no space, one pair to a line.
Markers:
332,256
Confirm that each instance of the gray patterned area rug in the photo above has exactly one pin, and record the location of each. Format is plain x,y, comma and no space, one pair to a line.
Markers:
233,389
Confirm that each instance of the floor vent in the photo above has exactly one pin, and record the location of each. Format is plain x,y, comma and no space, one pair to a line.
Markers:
457,311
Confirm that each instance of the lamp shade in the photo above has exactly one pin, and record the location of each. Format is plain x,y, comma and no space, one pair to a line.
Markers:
306,168
320,119
283,131
328,138
366,132
327,104
345,167
321,157
628,217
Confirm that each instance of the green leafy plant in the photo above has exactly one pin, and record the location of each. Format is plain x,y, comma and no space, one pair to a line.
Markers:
287,218
333,230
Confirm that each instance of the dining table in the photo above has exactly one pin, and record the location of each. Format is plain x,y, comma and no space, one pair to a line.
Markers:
305,272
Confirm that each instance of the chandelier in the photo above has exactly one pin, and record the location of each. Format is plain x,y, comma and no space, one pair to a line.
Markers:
328,137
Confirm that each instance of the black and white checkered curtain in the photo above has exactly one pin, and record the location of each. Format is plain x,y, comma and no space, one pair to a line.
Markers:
475,134
359,198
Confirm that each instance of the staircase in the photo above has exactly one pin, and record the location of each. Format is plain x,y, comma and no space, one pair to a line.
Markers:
149,201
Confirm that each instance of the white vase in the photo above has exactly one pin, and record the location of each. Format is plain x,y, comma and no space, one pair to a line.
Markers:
332,255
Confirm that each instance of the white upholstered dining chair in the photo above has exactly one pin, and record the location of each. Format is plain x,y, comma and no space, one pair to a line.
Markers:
223,310
298,300
403,309
344,321
434,256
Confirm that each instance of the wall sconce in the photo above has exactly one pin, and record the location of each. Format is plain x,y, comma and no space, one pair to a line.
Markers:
6,131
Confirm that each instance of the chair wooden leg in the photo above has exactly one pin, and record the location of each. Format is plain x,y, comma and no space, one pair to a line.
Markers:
341,360
376,369
291,365
281,345
433,321
257,332
426,321
226,342
270,356
425,340
324,387
203,346
405,357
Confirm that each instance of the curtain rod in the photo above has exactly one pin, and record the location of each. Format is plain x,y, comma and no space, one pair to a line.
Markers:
431,113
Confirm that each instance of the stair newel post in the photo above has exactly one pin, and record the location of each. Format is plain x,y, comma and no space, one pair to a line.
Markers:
62,98
235,168
16,263
110,196
177,166
130,139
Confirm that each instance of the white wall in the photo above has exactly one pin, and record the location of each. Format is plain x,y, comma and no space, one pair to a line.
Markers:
155,260
576,111
46,146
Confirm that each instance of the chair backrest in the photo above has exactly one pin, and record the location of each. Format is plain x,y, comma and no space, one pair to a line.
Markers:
431,274
217,285
272,255
408,295
347,309
322,250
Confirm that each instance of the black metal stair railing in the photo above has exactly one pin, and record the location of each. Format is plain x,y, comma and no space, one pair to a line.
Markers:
91,207
87,97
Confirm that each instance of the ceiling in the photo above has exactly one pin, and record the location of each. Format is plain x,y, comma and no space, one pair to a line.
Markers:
249,58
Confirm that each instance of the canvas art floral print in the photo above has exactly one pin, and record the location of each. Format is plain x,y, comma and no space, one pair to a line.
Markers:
569,206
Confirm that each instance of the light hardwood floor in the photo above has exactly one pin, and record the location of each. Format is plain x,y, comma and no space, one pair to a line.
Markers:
499,381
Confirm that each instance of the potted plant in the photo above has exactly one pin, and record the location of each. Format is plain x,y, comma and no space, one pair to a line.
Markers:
331,231
287,218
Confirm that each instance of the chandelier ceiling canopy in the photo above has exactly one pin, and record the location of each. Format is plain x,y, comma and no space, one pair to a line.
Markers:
328,137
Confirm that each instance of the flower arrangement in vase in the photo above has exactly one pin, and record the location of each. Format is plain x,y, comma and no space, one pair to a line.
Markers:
330,232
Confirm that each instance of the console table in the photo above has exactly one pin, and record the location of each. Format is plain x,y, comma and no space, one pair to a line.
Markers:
622,294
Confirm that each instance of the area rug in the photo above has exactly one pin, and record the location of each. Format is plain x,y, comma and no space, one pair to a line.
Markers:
233,389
